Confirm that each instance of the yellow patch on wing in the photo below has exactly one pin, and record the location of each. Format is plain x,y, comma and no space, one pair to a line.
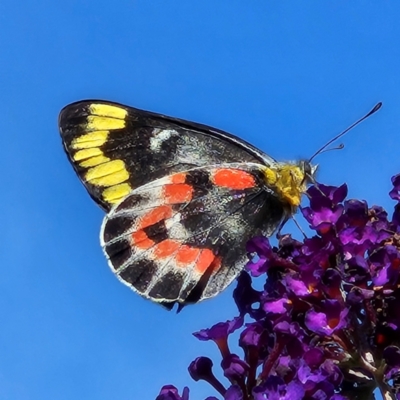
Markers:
87,153
90,157
115,194
107,110
92,139
92,162
87,130
105,117
108,174
96,123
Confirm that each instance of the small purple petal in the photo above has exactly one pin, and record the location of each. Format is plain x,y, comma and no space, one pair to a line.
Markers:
297,286
280,306
251,335
170,392
233,393
220,330
395,192
234,368
328,321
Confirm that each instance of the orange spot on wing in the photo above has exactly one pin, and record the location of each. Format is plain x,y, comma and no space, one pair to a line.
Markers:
216,264
234,178
177,193
205,260
180,177
155,215
166,248
141,240
187,255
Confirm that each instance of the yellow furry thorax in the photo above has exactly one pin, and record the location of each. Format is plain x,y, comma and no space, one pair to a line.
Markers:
289,181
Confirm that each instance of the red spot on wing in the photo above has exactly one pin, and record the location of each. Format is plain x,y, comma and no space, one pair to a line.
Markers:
207,260
202,259
180,177
155,215
186,255
177,193
234,178
140,240
166,248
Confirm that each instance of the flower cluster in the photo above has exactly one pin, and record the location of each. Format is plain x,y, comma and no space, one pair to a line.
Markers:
327,323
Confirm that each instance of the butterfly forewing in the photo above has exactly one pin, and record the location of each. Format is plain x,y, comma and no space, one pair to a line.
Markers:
115,149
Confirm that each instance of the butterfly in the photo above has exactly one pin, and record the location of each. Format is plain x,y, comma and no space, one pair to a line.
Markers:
181,198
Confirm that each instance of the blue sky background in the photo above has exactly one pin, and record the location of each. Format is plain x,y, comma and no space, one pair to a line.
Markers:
286,76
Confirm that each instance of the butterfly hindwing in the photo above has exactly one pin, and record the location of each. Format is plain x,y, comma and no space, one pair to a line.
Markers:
115,149
182,238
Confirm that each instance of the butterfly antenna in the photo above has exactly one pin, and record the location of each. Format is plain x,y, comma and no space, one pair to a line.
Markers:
299,227
321,150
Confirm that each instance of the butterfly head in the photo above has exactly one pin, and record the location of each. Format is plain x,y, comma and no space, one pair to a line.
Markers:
290,180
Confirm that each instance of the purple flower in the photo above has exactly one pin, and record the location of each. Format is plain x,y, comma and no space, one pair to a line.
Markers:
219,333
326,324
201,369
279,306
220,330
325,208
331,318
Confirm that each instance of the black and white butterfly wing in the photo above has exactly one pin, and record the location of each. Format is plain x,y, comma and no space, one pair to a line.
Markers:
182,238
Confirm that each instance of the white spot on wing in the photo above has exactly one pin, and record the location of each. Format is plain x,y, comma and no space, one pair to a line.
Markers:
175,229
160,136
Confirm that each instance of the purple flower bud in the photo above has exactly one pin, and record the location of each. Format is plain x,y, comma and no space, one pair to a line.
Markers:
251,335
169,392
201,369
234,368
